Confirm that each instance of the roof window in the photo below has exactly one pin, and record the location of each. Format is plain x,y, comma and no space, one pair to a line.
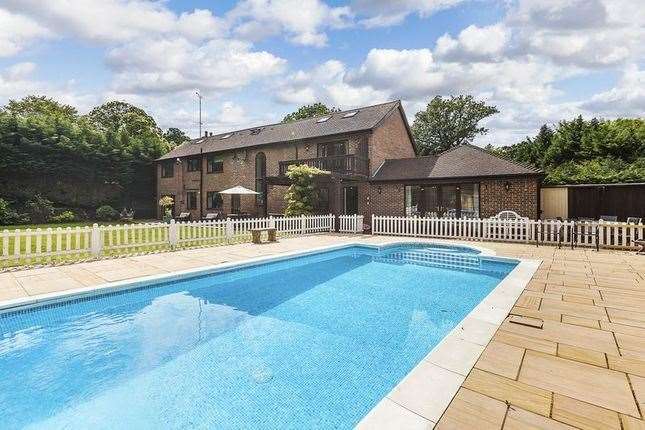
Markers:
255,131
323,119
350,114
226,136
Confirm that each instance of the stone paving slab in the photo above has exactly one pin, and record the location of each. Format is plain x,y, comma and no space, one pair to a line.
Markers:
585,368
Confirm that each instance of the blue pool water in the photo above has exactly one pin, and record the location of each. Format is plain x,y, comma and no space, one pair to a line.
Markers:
309,342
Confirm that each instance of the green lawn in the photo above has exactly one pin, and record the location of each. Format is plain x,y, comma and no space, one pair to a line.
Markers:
70,224
9,244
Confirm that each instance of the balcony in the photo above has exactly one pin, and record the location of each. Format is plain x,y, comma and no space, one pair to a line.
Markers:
350,164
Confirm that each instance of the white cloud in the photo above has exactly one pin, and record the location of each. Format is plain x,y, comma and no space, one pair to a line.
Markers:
583,33
326,83
626,99
171,65
386,13
475,43
17,32
302,21
116,20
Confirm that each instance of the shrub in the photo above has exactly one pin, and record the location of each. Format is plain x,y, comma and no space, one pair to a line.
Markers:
10,216
301,193
106,213
65,216
40,209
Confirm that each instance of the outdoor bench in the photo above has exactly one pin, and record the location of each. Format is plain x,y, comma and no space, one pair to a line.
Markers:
256,233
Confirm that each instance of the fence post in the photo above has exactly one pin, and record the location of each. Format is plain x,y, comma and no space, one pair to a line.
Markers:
271,222
332,222
172,234
96,242
303,225
229,230
373,224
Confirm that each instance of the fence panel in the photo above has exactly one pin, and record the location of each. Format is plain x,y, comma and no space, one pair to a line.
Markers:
42,246
583,233
350,223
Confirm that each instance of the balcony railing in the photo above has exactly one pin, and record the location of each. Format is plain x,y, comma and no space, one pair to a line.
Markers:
345,164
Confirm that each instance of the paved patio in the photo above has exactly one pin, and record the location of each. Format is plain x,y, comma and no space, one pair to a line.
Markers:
585,368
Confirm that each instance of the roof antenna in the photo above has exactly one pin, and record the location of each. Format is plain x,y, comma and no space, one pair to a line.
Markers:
199,96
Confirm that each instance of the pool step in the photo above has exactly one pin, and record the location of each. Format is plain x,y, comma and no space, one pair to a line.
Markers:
435,258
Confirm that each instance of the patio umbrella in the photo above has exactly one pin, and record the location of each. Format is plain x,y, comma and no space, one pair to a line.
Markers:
238,190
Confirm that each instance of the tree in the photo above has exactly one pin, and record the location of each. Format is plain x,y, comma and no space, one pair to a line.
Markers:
175,136
301,193
73,161
446,123
585,151
310,111
530,151
40,105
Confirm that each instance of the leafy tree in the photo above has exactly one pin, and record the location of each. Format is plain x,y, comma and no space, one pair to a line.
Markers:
175,136
77,161
301,194
586,151
40,105
310,111
446,123
530,151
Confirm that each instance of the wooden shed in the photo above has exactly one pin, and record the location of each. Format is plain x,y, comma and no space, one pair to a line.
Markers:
593,200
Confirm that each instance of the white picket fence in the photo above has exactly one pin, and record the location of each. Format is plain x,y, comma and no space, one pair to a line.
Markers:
350,223
31,246
584,233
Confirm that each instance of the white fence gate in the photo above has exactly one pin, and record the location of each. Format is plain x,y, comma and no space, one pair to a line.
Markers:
350,223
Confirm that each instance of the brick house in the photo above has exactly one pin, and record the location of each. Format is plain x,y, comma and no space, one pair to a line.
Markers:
371,155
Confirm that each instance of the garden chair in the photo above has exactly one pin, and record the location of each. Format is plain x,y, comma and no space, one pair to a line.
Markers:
184,216
592,231
213,216
609,218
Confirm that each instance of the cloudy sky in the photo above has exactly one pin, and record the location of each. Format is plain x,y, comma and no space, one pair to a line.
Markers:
538,61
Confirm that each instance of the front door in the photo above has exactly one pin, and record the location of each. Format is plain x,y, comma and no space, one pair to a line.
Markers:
350,200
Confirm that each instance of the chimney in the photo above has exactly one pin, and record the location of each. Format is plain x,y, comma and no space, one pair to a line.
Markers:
205,134
210,134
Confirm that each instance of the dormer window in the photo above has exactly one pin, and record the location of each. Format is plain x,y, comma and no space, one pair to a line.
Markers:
323,119
350,114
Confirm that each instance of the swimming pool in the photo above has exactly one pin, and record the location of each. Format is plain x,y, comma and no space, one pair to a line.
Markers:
312,341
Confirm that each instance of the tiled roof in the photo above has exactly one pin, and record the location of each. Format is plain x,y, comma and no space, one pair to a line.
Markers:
366,119
461,162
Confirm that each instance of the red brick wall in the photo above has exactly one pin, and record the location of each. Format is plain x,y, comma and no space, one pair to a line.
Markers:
275,198
522,197
381,199
389,140
389,199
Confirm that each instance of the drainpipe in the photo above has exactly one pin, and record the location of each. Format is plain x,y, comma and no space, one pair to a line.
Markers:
201,182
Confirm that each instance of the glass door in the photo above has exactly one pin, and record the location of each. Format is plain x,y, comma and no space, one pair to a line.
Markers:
449,201
350,200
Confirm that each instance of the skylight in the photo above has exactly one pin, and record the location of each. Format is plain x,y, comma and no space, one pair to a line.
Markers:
199,141
256,131
323,119
226,136
350,114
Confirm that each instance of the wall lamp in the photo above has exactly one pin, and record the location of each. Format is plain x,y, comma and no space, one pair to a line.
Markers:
507,186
